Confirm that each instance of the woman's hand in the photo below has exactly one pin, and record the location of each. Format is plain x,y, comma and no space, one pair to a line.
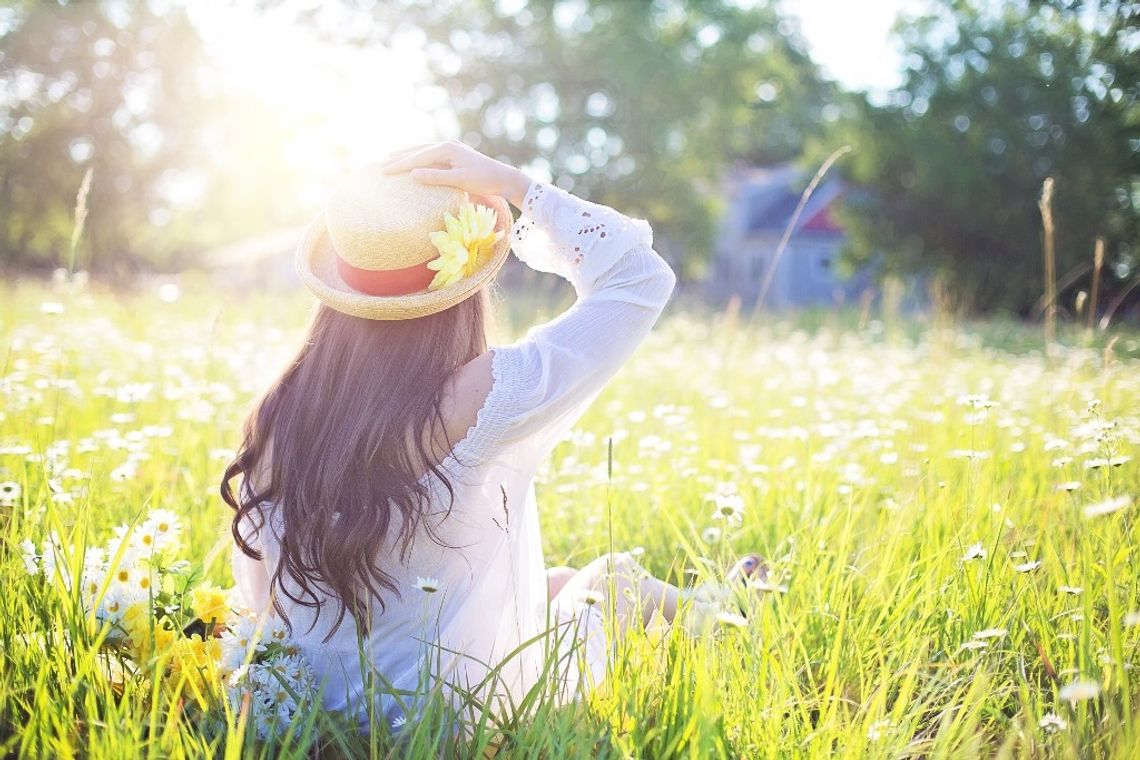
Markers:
466,168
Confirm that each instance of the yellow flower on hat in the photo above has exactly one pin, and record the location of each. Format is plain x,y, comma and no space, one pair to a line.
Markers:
464,246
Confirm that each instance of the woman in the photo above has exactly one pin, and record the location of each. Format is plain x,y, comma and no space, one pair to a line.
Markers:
393,461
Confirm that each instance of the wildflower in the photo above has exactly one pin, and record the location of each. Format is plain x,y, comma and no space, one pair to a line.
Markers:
1102,462
196,660
976,401
976,551
210,603
710,535
240,636
729,506
990,633
428,585
464,246
592,597
876,730
1079,691
973,644
969,454
762,585
51,307
31,556
1072,590
1108,506
1070,486
732,620
163,527
113,606
399,721
1132,618
1027,567
1052,722
9,493
143,645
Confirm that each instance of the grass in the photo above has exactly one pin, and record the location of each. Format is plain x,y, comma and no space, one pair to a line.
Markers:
900,478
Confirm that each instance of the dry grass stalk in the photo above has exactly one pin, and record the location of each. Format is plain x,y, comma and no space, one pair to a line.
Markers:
1046,206
787,236
79,218
1098,262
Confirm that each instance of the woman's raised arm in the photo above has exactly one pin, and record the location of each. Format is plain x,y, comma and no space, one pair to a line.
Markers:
543,382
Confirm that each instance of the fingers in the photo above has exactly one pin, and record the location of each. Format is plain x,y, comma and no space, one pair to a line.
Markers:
436,153
452,177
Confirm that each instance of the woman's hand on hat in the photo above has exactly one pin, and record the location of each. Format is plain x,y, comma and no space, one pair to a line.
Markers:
463,167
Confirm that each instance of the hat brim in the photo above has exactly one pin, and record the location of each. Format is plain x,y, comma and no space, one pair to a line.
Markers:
316,265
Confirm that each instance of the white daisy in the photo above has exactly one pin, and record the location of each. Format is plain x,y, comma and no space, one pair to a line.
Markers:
731,620
1108,506
1052,722
1079,691
1027,567
31,556
164,525
9,493
975,551
1102,462
876,730
592,597
710,535
1072,590
428,585
974,644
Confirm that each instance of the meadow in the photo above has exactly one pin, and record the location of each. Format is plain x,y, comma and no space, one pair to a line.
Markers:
949,515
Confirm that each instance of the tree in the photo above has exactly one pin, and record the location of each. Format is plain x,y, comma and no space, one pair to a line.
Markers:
180,159
997,97
99,86
640,105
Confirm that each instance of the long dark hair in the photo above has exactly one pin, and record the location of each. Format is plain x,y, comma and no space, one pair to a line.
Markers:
331,436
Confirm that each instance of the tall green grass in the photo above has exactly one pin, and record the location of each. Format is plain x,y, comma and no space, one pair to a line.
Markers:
901,480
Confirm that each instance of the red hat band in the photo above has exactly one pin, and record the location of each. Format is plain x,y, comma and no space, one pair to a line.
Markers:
385,282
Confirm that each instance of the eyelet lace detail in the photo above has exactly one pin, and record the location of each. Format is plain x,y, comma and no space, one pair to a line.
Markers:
558,232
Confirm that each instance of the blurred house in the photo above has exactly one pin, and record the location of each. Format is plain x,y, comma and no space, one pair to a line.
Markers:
761,204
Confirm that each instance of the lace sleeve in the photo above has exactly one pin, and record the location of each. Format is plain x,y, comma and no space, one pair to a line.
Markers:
544,381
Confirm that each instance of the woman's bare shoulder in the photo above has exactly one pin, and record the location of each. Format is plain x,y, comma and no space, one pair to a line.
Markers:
464,395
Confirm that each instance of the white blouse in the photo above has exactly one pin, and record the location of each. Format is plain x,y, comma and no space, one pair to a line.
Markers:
492,596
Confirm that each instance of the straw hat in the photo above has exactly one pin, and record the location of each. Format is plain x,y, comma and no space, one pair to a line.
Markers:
367,253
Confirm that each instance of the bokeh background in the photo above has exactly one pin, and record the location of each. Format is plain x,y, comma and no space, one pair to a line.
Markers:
213,130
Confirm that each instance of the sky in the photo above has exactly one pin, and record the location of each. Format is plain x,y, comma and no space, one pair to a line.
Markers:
849,39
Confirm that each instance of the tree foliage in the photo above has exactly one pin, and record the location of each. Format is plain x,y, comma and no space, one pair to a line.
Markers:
640,105
996,98
180,161
91,85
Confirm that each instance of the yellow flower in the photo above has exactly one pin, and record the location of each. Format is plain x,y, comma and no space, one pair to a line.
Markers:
143,646
196,661
464,246
210,603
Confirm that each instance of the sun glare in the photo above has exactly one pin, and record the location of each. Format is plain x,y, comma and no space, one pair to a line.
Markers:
328,104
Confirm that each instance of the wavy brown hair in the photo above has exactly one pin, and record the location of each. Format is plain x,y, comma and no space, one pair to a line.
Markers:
330,435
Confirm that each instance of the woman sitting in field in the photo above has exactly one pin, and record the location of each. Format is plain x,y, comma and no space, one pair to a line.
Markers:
388,473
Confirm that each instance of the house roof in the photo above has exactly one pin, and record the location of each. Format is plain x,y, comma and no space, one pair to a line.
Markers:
771,195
